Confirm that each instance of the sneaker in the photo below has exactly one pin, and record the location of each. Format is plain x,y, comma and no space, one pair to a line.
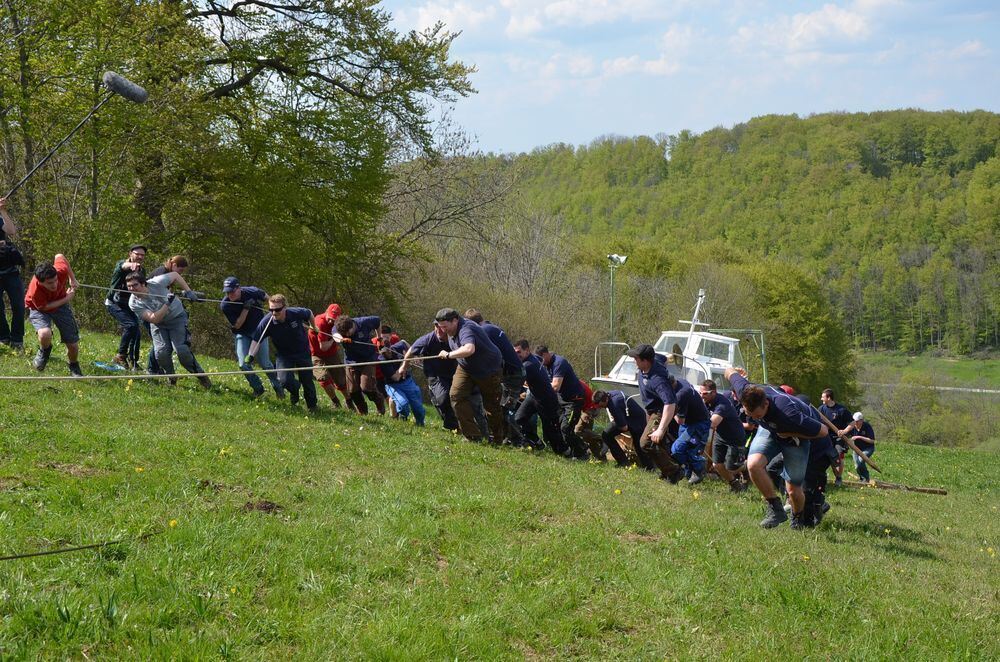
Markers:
205,382
825,508
775,516
839,482
41,358
788,508
120,360
293,397
17,347
798,522
279,393
696,477
737,486
74,369
258,394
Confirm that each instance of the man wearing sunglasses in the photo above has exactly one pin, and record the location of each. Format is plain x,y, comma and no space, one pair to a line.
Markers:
287,328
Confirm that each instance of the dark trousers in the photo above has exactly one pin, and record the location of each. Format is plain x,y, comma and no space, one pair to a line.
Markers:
814,487
441,400
12,285
659,453
548,412
569,416
291,379
128,346
609,438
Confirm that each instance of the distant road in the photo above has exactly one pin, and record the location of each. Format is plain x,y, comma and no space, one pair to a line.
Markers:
938,388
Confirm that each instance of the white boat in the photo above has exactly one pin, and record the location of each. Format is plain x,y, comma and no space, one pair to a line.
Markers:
695,355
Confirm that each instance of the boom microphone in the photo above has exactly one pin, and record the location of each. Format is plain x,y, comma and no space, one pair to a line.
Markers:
123,87
116,84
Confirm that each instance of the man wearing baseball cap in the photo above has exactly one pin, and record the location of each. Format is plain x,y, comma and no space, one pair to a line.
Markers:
243,307
863,436
660,403
479,365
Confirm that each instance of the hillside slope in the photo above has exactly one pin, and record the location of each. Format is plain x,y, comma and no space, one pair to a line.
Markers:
396,542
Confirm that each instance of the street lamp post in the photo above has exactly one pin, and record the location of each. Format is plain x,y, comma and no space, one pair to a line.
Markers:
614,261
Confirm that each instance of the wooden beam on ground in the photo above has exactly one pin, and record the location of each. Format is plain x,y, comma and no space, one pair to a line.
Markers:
895,486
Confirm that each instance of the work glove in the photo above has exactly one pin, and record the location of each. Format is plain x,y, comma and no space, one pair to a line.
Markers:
337,337
192,295
250,360
248,303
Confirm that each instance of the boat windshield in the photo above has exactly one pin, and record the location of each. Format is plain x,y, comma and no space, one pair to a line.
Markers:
671,342
714,349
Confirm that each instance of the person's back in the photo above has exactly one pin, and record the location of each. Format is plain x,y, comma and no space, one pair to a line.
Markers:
538,380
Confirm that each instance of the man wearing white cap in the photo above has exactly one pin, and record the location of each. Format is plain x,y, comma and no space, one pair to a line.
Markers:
863,436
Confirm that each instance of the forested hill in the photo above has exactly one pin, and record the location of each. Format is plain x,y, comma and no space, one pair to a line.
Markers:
897,213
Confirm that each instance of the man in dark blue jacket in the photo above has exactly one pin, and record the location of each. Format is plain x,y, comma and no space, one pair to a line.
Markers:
627,417
355,336
479,366
693,421
513,371
571,396
787,425
242,306
540,399
840,416
286,327
729,438
660,402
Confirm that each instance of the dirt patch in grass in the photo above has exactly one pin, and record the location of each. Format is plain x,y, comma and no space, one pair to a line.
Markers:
77,470
11,483
262,506
641,537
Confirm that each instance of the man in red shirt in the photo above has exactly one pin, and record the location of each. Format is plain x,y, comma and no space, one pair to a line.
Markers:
327,356
49,294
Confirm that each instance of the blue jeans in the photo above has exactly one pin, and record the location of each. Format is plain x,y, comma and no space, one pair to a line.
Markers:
128,346
860,465
12,284
263,359
796,457
691,439
291,380
406,394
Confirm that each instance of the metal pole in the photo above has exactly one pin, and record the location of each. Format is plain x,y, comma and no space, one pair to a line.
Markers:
763,356
612,303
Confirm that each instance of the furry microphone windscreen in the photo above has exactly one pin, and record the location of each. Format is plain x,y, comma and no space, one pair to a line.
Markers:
124,87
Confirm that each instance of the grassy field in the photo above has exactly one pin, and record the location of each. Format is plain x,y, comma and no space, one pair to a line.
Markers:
392,542
940,371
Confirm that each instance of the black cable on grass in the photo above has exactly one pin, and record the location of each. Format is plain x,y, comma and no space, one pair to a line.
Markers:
66,550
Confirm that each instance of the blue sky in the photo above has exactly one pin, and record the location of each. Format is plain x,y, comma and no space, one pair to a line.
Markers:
572,70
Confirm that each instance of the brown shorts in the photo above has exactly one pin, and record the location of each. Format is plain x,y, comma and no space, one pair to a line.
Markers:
325,374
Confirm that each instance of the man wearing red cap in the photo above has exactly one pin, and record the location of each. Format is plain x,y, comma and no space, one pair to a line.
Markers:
327,356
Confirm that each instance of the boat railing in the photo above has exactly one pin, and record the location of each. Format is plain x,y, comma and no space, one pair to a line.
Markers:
598,363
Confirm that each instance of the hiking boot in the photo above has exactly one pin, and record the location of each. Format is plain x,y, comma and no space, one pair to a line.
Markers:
17,347
293,397
74,369
41,358
798,522
839,482
120,360
170,380
737,486
696,477
775,515
205,382
258,394
673,478
279,393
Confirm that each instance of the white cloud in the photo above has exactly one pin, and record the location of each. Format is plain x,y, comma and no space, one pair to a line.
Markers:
457,16
971,48
623,66
805,31
530,17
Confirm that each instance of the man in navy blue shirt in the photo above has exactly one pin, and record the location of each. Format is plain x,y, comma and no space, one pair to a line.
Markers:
440,373
693,421
627,417
287,328
571,398
863,436
840,416
242,305
355,336
541,399
660,403
479,366
787,425
513,371
729,439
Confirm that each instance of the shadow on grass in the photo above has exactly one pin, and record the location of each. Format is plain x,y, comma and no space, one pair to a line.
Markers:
892,538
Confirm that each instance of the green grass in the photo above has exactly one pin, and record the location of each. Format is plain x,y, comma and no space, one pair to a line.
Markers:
399,543
940,371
